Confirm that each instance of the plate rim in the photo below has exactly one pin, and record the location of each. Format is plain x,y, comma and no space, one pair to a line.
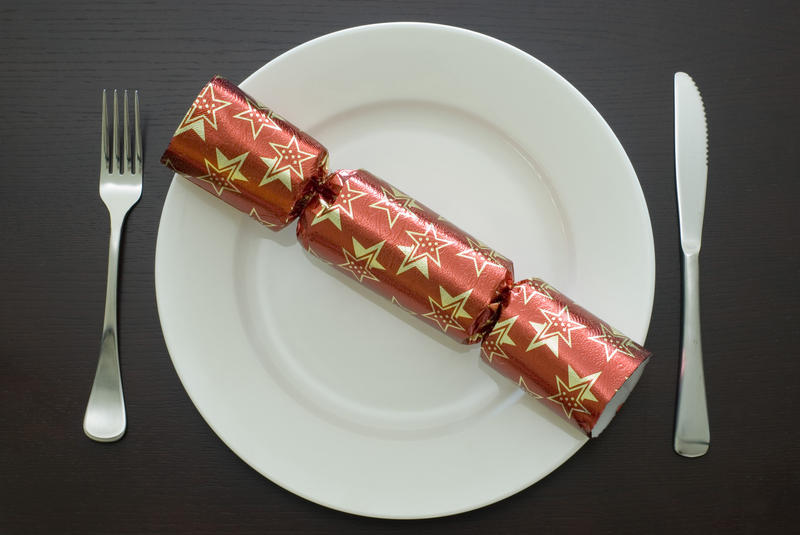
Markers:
642,205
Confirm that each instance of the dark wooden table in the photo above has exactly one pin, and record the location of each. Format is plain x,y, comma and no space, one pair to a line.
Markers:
171,474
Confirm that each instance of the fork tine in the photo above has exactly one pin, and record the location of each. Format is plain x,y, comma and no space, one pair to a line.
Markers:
115,144
104,159
138,133
127,164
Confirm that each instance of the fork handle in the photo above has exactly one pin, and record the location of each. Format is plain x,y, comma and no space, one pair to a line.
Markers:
104,420
692,435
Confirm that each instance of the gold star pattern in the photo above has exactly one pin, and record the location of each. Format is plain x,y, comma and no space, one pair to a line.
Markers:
363,261
203,111
613,342
490,347
290,160
222,175
255,215
328,212
481,255
343,204
521,383
446,312
557,325
426,247
536,287
570,396
258,116
394,203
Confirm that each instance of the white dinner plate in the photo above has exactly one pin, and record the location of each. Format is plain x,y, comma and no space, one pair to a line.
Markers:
337,395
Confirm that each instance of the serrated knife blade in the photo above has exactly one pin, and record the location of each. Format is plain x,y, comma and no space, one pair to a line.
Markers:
692,436
691,160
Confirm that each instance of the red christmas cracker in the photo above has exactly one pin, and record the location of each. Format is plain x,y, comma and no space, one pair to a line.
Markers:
249,157
562,354
405,252
246,155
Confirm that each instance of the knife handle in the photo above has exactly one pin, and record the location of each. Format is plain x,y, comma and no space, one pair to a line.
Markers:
691,421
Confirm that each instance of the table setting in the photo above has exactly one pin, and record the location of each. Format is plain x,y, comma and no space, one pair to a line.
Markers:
406,267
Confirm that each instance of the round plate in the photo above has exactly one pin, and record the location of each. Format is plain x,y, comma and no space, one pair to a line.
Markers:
335,394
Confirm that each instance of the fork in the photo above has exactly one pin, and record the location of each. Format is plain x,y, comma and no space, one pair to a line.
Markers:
120,189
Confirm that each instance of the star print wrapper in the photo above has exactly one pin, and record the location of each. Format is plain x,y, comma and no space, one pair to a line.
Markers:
563,355
559,353
246,155
406,252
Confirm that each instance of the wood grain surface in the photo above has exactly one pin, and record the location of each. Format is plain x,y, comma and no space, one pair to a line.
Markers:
171,474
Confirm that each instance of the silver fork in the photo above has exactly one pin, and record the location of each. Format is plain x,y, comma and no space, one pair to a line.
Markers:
120,189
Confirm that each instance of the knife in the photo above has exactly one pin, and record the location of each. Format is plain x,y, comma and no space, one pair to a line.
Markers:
691,166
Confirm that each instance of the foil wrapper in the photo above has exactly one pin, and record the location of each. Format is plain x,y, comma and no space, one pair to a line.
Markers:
406,252
245,154
249,157
562,354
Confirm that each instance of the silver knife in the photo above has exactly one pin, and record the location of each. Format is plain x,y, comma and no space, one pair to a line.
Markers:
691,167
